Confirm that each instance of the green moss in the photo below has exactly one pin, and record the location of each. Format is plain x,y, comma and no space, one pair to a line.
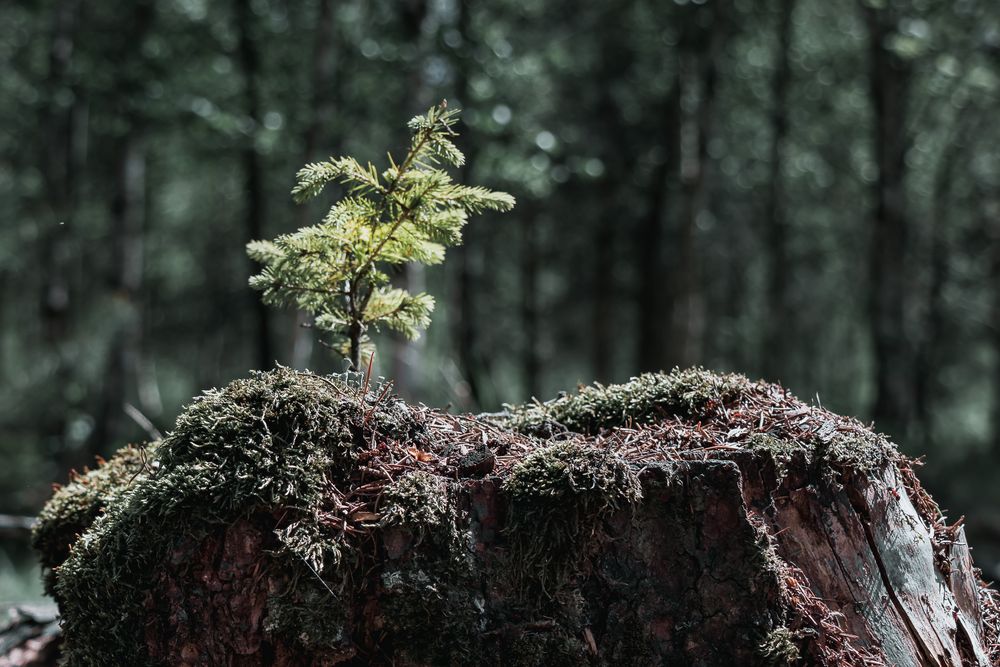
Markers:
779,649
273,441
308,613
434,614
418,501
558,496
780,451
74,507
861,451
555,648
647,398
429,599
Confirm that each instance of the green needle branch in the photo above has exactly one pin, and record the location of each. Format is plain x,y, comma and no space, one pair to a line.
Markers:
336,270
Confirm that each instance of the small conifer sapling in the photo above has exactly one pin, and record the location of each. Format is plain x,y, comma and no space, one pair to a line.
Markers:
337,270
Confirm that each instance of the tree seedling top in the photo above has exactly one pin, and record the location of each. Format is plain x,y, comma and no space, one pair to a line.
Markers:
337,270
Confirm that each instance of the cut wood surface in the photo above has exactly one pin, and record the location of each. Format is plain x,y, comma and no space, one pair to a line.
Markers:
679,519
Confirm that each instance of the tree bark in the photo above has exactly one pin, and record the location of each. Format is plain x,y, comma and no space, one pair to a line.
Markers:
686,519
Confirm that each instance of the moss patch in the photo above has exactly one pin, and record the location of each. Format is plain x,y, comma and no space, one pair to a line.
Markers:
779,649
272,442
429,598
74,507
652,396
558,496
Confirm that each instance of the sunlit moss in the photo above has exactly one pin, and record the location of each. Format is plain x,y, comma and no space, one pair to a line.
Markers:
74,507
431,599
558,495
651,396
779,649
271,441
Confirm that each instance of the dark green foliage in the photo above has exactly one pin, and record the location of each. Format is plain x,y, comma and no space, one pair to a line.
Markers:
651,396
272,441
74,507
558,496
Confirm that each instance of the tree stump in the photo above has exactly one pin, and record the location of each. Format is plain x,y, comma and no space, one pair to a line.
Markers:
679,519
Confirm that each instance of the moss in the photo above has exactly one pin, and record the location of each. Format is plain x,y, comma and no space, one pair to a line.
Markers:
418,501
74,507
273,441
861,451
778,450
430,600
689,393
555,648
434,615
558,496
778,648
309,614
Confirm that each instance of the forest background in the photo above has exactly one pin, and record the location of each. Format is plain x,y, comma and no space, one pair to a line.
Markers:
806,191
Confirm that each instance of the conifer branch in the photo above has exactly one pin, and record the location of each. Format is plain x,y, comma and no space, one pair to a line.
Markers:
409,212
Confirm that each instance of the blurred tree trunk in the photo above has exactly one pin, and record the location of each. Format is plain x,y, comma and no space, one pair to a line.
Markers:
59,171
531,362
889,81
653,290
465,321
405,354
617,55
57,219
928,356
699,49
990,210
253,177
321,108
128,213
777,319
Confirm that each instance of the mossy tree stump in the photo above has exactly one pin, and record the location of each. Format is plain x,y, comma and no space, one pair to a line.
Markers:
685,518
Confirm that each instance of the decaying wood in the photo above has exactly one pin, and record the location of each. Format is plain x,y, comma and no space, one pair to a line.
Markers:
767,532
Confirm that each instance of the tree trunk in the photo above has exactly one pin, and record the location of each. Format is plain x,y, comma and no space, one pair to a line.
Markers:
253,177
698,73
777,317
889,81
405,354
469,255
679,519
531,363
321,108
653,288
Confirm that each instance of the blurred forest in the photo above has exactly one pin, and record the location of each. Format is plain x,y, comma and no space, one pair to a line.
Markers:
802,190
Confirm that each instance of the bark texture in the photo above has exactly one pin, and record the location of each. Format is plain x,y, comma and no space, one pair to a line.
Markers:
688,518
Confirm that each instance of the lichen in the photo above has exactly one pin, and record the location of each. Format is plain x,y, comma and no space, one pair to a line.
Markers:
689,393
74,507
273,441
558,496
